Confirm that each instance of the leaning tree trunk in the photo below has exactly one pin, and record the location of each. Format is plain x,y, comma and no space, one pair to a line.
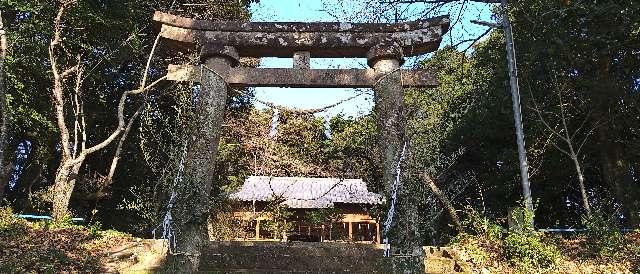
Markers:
444,200
193,197
583,189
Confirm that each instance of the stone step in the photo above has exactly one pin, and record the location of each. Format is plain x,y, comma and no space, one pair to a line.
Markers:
291,262
278,257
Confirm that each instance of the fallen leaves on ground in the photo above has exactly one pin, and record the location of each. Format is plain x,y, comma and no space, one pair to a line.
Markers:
35,248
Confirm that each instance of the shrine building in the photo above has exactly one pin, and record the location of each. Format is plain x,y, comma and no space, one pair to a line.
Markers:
349,201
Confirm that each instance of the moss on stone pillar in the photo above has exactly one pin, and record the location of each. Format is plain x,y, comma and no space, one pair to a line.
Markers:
192,203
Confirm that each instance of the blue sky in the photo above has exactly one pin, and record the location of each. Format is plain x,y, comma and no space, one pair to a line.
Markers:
313,11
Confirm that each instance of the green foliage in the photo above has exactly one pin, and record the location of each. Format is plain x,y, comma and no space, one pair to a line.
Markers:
277,225
323,216
95,228
522,219
64,222
528,251
480,225
10,225
603,237
525,247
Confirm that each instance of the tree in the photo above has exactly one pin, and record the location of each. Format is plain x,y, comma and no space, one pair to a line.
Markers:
569,138
4,112
74,153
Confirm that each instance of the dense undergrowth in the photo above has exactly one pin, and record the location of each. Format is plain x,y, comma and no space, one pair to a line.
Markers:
602,248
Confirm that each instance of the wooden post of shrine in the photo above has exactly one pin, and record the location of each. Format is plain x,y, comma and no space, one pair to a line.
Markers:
257,229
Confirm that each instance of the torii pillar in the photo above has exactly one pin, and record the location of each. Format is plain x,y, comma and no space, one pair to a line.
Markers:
201,152
386,59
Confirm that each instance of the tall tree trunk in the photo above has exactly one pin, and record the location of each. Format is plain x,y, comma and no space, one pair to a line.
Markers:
5,173
65,181
614,172
3,108
615,168
193,198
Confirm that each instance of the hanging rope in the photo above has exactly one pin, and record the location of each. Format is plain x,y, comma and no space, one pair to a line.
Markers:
275,121
392,208
327,126
283,108
167,222
307,111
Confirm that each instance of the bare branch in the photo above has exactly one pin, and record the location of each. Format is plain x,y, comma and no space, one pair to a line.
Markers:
65,74
544,121
584,121
77,108
564,119
121,121
474,41
145,73
587,136
116,156
58,79
486,24
561,150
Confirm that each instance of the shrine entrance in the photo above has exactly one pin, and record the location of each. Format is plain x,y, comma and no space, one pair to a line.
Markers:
221,44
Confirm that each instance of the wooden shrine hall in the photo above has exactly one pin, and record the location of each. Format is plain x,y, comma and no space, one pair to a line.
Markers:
349,198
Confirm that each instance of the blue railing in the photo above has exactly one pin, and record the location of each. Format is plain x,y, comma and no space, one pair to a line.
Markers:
575,230
39,217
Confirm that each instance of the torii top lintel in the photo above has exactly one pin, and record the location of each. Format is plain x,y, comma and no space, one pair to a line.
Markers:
330,40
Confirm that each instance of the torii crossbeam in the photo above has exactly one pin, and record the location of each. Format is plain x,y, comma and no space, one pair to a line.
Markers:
221,44
303,41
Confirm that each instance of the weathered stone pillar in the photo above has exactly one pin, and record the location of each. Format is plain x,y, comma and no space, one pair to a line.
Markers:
389,113
199,163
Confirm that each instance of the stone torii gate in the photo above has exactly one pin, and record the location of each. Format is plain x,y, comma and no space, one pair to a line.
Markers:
222,43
